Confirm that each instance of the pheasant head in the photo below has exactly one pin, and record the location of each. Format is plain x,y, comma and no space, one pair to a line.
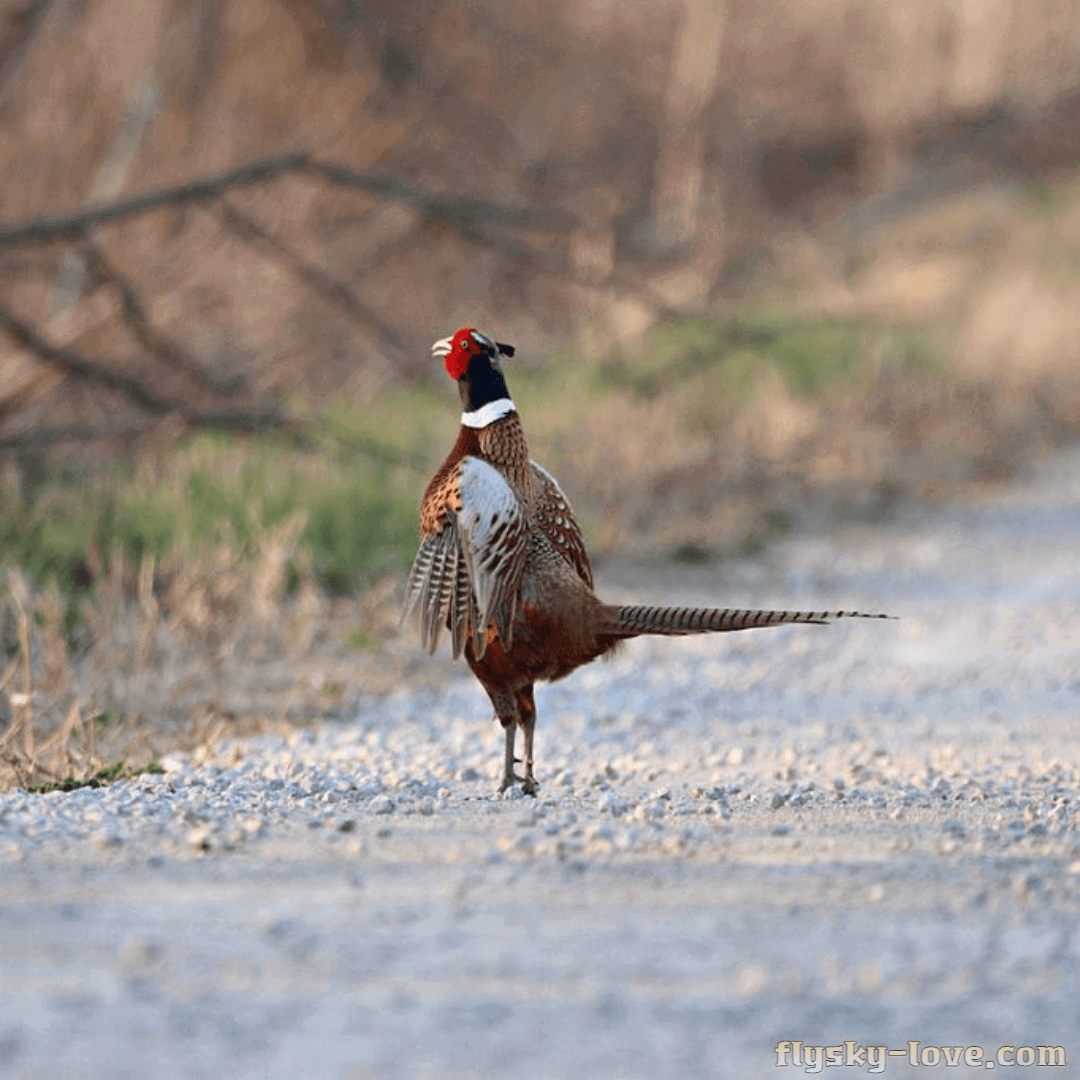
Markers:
474,361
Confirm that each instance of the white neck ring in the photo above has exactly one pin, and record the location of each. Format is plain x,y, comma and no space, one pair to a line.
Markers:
488,414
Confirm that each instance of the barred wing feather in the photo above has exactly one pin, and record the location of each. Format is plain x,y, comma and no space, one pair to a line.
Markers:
469,571
555,517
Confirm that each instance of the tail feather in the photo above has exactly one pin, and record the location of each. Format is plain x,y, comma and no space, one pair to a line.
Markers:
631,621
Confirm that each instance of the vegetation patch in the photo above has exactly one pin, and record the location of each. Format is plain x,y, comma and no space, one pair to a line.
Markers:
220,493
102,778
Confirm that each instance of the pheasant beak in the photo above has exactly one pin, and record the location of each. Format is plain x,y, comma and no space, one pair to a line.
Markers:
442,348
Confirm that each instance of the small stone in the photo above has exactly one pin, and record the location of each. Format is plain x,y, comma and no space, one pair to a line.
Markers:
137,952
610,803
1024,885
199,837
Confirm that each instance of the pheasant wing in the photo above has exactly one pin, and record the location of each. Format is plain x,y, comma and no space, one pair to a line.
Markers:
468,569
494,542
555,518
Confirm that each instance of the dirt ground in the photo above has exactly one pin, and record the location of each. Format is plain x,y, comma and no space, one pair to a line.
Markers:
859,836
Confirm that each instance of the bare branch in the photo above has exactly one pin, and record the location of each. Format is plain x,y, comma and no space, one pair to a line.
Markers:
31,19
37,386
201,190
154,343
319,281
216,420
467,214
79,367
42,437
242,420
477,220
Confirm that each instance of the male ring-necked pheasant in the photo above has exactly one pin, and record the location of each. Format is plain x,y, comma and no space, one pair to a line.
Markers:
503,565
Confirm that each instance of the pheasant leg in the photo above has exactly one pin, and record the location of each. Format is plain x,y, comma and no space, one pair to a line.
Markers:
527,712
510,778
528,783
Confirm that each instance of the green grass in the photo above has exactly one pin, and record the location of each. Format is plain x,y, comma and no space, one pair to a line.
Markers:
679,349
725,359
360,642
775,523
815,356
213,490
102,778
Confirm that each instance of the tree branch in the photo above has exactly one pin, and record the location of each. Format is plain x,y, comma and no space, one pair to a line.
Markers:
319,281
219,420
467,214
477,220
51,436
201,190
79,367
137,321
31,20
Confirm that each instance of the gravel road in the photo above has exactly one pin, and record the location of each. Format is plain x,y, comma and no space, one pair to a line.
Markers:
868,832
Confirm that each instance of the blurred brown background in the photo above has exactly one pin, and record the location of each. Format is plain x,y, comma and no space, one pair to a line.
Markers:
557,169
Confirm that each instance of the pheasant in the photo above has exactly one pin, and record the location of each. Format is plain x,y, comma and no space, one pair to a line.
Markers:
503,565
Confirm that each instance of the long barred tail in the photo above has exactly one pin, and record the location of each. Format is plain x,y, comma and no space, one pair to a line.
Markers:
638,619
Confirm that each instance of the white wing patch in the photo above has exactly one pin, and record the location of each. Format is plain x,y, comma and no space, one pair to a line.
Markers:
494,541
468,573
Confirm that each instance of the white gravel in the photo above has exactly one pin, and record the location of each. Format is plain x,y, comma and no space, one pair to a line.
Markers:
865,832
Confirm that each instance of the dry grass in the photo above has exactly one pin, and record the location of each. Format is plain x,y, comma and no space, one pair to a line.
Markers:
221,650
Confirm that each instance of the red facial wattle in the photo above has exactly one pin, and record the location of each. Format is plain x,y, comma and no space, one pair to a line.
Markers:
461,352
